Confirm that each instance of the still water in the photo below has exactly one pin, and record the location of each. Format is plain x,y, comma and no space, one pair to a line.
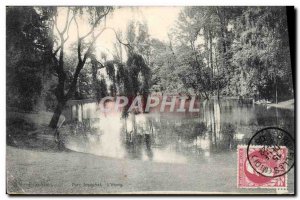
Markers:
218,128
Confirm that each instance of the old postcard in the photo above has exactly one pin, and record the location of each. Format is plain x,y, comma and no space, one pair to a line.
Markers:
150,100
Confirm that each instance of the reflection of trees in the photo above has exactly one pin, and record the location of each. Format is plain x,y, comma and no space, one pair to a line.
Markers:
159,132
194,133
138,138
212,119
228,131
188,134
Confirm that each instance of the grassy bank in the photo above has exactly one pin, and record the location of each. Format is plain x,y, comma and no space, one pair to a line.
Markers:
289,104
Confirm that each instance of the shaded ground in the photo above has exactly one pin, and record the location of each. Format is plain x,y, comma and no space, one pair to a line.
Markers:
31,131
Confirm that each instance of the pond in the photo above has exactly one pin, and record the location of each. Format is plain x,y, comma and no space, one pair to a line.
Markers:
185,137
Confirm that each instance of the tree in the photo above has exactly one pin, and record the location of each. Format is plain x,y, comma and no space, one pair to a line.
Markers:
261,52
195,70
234,51
96,15
27,56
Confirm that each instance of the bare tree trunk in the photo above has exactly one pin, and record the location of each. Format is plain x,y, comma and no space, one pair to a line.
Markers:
95,80
57,112
276,92
218,78
223,34
211,58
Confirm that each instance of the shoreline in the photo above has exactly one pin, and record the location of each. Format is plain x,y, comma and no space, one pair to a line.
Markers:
289,104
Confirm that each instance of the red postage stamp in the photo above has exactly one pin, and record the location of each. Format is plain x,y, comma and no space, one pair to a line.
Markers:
260,167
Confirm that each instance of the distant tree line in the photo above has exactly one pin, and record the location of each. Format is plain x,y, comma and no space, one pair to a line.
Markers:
228,51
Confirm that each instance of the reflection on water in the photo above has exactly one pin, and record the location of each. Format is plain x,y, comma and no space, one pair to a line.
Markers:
170,137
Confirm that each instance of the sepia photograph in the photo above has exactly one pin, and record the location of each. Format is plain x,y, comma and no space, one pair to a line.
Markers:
156,100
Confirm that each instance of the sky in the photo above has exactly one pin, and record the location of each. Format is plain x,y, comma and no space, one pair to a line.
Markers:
159,20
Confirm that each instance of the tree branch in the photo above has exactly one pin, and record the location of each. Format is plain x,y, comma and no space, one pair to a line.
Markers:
119,40
55,52
78,41
66,24
91,45
81,61
96,23
67,28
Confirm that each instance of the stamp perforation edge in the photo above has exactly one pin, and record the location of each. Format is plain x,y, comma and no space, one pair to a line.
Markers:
257,187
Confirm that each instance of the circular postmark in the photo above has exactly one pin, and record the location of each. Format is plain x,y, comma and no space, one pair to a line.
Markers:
271,152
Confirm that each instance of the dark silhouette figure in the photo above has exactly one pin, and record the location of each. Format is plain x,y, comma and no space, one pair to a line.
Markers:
148,146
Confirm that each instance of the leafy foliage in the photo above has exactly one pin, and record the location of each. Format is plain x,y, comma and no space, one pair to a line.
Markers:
27,58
